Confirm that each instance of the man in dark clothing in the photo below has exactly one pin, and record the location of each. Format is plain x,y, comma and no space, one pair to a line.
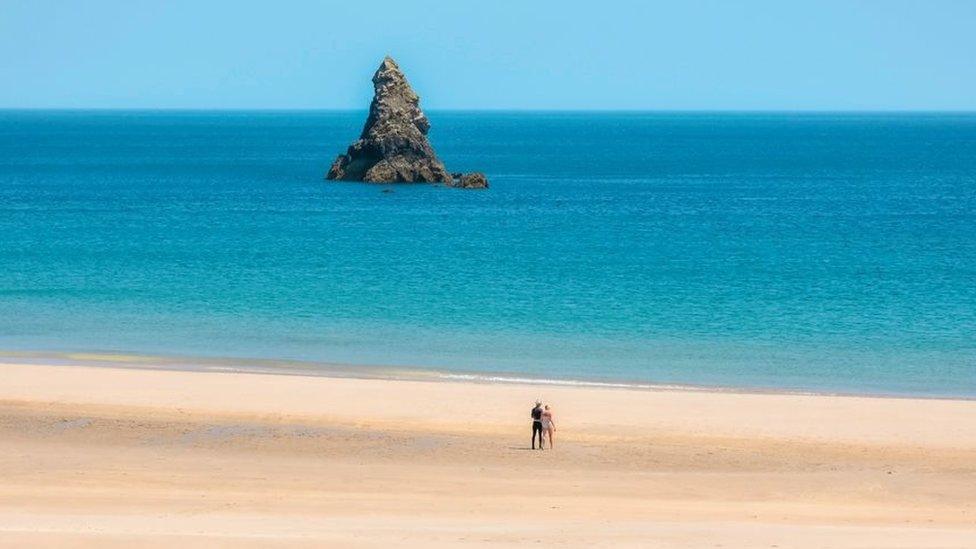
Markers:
537,424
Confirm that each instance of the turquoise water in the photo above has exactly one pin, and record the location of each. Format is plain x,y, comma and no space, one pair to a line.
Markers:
814,252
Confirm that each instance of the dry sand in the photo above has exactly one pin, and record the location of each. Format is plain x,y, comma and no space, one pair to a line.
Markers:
122,457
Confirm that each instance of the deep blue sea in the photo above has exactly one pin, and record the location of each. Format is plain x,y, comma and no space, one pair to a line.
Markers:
823,252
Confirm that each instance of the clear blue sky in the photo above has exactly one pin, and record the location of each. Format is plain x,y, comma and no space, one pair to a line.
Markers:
492,54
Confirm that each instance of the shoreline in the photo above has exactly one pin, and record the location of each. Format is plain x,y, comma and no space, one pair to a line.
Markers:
292,367
109,456
729,414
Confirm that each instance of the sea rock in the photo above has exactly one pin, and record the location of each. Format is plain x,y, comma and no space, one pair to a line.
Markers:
474,180
393,146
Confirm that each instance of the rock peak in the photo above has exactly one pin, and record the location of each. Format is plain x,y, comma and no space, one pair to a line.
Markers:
393,146
389,71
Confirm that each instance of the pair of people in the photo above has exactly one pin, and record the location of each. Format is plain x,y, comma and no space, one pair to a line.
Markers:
542,424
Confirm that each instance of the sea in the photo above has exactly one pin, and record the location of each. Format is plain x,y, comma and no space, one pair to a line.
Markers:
809,252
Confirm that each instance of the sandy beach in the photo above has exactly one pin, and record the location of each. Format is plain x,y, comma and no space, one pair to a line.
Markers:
115,457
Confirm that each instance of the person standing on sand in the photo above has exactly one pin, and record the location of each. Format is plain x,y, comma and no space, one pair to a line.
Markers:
548,424
537,423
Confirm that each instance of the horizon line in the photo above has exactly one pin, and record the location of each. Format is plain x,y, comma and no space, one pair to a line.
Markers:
489,110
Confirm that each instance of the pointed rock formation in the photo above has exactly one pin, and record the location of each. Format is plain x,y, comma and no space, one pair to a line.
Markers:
393,147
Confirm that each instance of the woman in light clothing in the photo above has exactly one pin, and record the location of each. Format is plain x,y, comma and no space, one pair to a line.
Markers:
548,424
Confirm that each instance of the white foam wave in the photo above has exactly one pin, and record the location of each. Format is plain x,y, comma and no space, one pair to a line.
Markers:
484,378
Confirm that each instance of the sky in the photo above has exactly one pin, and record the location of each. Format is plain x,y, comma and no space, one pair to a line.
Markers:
491,54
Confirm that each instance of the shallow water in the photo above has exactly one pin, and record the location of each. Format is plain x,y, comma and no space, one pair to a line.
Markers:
812,252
